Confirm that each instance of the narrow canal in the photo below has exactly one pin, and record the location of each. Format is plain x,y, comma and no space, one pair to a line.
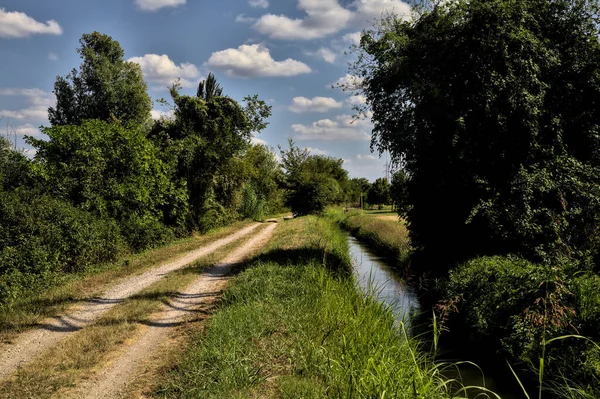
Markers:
374,273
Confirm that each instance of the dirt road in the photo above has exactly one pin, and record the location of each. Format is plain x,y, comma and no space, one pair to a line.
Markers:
112,380
51,331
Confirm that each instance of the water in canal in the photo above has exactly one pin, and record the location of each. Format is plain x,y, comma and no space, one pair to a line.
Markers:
373,273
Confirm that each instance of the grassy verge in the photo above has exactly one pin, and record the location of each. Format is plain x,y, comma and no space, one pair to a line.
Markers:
384,233
32,307
90,348
290,328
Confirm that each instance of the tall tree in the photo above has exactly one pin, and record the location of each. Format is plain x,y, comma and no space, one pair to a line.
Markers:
492,106
105,87
209,88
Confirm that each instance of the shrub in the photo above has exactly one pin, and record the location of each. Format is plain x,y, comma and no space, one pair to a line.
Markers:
42,237
513,305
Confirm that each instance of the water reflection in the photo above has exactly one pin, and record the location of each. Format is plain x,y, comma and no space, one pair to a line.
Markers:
373,272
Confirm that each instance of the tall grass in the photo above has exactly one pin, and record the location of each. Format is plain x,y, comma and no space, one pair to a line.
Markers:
289,327
388,237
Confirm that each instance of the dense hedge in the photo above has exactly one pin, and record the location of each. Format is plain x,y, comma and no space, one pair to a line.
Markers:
513,305
43,237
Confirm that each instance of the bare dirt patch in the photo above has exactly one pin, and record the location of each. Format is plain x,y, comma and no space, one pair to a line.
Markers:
51,331
118,379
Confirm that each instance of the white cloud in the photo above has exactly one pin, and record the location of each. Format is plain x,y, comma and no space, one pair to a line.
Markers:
160,69
367,10
323,17
365,165
158,114
325,54
254,60
244,19
28,130
343,128
352,38
259,3
154,5
316,104
349,82
52,57
19,24
326,17
316,151
256,141
38,99
357,100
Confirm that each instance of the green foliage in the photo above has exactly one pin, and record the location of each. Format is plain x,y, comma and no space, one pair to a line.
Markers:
493,100
312,181
207,133
379,193
511,304
399,191
43,237
355,188
14,167
111,171
106,87
253,206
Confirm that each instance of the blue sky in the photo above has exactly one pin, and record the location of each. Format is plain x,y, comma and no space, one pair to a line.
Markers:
289,52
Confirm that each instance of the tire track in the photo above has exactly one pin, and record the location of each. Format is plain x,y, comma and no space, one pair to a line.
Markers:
31,343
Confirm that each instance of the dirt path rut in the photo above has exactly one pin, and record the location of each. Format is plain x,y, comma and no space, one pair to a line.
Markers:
51,331
112,381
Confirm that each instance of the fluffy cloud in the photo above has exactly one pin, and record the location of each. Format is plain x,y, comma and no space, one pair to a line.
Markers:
259,3
158,114
323,17
325,54
367,10
316,151
344,128
160,69
18,24
348,82
326,17
316,104
39,101
352,38
254,60
244,19
153,5
256,141
365,165
357,100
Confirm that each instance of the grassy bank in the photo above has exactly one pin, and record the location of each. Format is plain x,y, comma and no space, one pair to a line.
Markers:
288,327
384,232
31,307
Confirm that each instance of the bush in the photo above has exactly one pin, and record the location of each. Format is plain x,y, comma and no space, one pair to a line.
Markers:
145,231
253,206
513,305
42,237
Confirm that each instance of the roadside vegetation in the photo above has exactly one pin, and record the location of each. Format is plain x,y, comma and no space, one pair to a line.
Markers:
294,324
388,235
486,105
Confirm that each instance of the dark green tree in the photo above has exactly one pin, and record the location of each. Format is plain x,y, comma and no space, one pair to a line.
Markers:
399,191
492,108
105,87
312,181
379,193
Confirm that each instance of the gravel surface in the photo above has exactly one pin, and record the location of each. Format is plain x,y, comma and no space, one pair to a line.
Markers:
31,343
112,380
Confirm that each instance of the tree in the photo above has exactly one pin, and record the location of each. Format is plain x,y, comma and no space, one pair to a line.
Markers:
491,106
312,181
208,132
379,193
105,87
399,191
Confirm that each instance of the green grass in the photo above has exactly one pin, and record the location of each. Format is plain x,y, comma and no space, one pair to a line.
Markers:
388,235
288,327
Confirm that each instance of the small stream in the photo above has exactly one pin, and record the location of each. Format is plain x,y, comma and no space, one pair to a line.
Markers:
373,272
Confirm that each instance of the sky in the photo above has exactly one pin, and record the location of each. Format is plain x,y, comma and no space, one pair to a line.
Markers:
289,52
